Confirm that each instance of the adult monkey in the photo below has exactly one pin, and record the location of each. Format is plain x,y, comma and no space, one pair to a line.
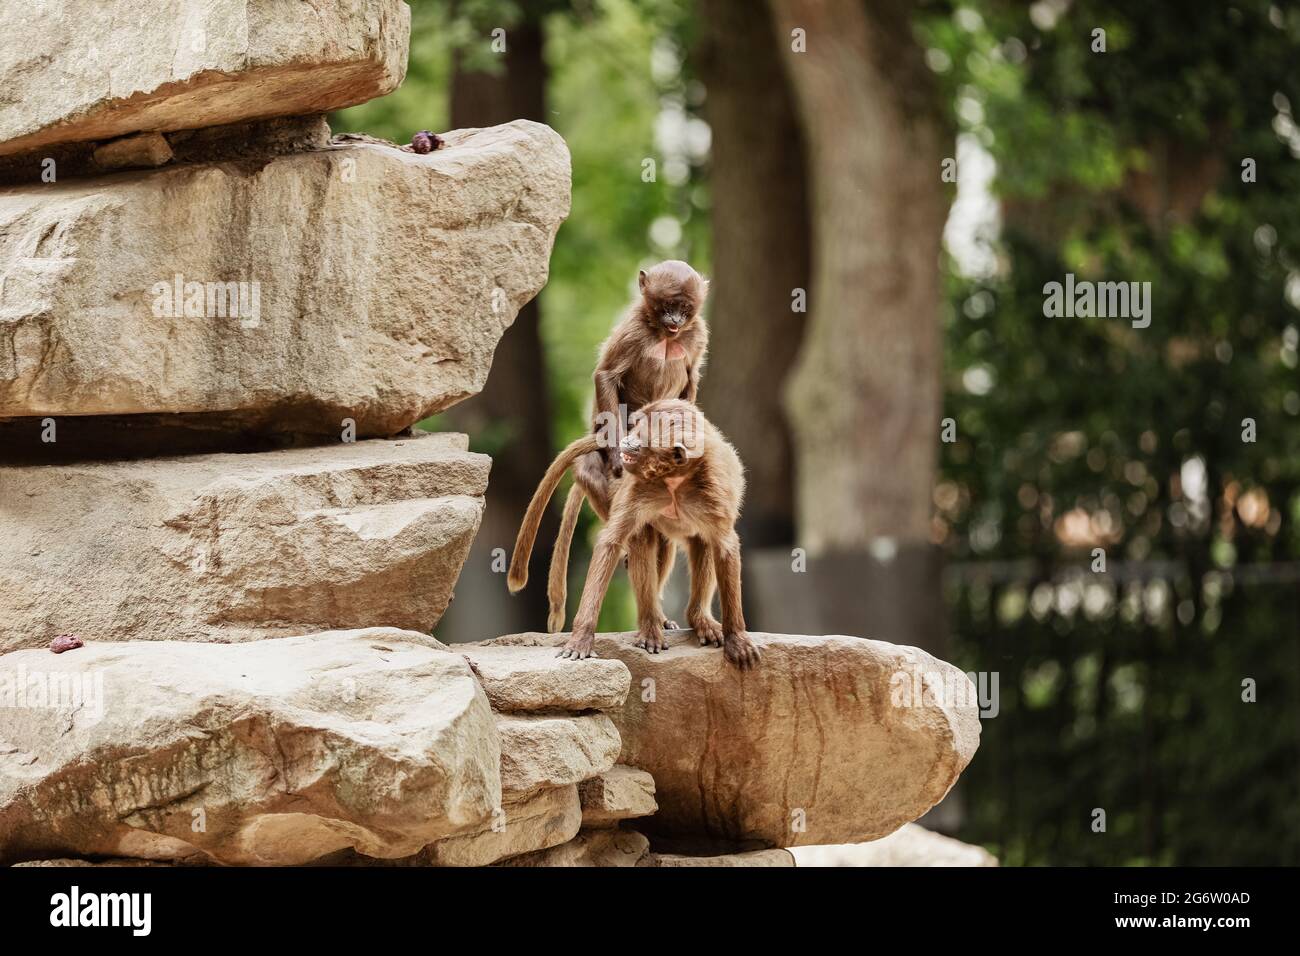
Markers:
657,351
683,482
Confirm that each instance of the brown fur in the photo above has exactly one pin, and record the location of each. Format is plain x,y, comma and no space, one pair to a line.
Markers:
518,574
556,585
684,484
629,374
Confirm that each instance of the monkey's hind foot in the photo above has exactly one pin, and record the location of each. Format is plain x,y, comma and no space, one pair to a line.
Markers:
652,639
578,647
708,631
740,650
671,625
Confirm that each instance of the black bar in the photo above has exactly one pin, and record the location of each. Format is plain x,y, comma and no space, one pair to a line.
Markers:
489,906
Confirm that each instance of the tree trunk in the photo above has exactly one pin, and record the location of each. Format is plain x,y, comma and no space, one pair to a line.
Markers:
761,240
865,397
513,404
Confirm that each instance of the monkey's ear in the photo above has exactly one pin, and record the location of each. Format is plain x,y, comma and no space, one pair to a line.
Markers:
704,288
640,280
679,453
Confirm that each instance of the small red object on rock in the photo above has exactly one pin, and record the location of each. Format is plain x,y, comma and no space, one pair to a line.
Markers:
425,142
66,642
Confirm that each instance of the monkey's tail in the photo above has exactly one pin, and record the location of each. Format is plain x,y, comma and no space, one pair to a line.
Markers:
557,585
518,575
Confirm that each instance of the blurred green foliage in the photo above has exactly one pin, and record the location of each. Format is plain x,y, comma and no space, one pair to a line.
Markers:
1123,690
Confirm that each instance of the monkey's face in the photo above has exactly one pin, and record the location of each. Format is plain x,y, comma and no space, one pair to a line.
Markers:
673,294
662,441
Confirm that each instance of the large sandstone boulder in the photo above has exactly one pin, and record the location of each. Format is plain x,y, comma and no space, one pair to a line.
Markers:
911,845
236,547
829,740
77,70
271,752
356,287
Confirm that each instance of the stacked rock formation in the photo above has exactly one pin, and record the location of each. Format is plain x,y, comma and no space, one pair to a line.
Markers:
218,325
283,301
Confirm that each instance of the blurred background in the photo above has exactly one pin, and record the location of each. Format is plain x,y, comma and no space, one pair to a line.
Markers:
879,192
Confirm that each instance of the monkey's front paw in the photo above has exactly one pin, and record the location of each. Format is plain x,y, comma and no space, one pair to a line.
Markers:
652,639
578,646
708,631
740,650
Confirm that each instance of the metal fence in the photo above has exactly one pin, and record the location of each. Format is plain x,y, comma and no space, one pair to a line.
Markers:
1149,714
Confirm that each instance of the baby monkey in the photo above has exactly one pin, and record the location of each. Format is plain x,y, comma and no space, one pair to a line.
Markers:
656,352
684,484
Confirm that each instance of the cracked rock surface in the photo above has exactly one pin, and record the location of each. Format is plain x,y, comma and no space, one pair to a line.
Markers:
77,70
274,752
234,547
350,287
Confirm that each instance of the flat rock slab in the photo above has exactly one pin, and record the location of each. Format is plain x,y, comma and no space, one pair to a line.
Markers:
760,858
65,862
236,547
522,679
272,752
911,845
620,793
554,750
352,289
829,740
80,70
535,822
